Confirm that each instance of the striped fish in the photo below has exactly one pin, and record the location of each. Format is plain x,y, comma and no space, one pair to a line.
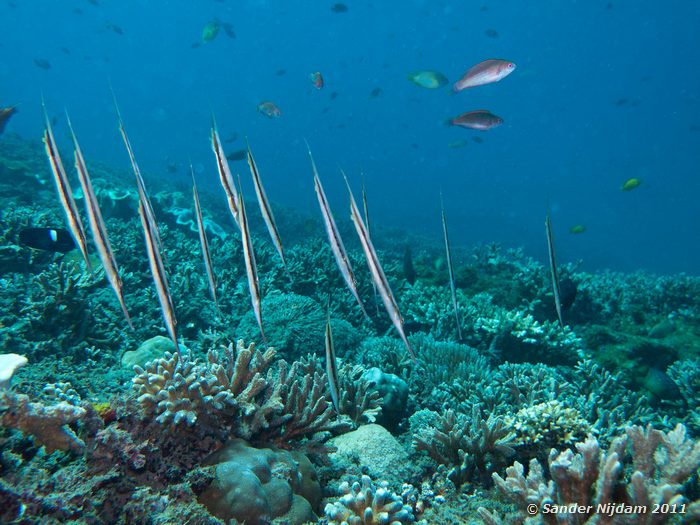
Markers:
160,278
225,174
339,252
97,226
331,365
265,208
203,241
450,270
65,194
553,268
365,209
251,267
377,272
154,247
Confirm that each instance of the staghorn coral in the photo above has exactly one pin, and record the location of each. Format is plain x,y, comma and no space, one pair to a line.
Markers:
642,467
363,503
473,447
178,390
48,424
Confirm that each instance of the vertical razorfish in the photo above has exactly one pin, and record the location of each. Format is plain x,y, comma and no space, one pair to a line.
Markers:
265,208
377,272
65,194
160,279
448,254
365,209
139,179
203,241
225,175
553,268
337,247
97,226
251,267
331,365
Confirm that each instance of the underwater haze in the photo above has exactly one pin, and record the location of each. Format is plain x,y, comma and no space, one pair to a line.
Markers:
604,91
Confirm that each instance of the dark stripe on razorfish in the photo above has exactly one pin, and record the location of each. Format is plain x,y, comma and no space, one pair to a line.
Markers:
450,270
265,208
251,267
377,272
553,268
97,226
65,193
331,365
203,241
225,176
336,242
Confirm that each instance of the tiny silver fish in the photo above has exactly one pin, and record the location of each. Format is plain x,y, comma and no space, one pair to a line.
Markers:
336,242
265,208
203,241
553,268
377,272
65,193
97,226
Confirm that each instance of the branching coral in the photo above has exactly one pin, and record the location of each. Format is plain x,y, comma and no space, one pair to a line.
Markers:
474,447
48,424
642,468
366,504
550,423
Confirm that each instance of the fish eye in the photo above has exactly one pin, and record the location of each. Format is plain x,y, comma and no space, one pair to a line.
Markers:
511,65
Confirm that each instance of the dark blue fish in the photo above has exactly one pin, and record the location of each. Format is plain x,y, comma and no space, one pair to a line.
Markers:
48,239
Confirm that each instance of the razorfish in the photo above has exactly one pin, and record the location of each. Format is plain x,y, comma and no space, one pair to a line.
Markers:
485,72
251,267
450,271
139,178
365,209
97,226
336,242
377,272
203,241
265,208
65,194
331,366
553,268
155,261
225,174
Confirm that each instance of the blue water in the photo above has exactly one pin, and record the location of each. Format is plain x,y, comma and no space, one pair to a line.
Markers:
604,91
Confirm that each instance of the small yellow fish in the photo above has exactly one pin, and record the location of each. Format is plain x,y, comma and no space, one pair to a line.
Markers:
210,31
631,184
577,229
428,79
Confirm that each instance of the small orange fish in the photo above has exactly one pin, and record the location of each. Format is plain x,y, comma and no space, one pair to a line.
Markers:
269,109
480,119
316,79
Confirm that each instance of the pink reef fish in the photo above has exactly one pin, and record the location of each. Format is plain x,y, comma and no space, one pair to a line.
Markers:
269,109
480,119
485,72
